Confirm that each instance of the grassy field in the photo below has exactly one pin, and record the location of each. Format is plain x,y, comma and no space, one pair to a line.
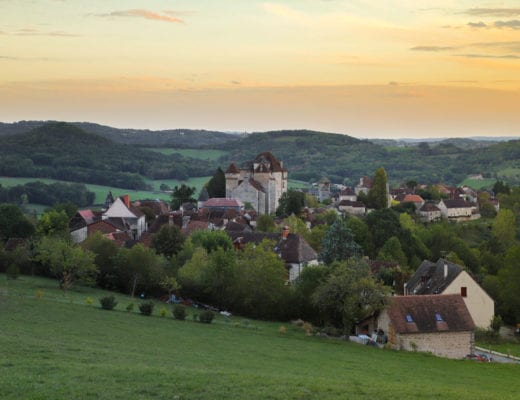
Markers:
478,184
56,346
101,191
200,154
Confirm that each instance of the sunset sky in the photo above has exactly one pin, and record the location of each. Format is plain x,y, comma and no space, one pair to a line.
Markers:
366,68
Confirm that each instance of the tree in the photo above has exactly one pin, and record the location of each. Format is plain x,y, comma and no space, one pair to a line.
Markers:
216,186
260,284
68,262
53,222
265,223
139,268
501,187
181,195
378,194
349,294
383,224
168,241
13,223
509,291
392,251
339,244
291,202
504,228
211,240
104,251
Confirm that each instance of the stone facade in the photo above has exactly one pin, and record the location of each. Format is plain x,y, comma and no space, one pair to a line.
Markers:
260,183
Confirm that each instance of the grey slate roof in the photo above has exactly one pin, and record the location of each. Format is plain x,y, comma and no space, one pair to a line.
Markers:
429,277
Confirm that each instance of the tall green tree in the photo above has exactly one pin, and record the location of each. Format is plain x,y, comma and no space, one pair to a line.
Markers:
13,223
211,240
265,223
349,294
378,194
339,243
291,202
509,291
392,251
216,186
168,241
68,262
53,222
105,251
139,268
504,228
181,195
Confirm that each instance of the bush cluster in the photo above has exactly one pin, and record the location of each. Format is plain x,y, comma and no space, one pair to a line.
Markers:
206,316
146,308
108,302
179,312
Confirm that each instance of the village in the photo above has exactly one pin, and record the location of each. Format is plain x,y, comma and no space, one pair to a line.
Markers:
436,310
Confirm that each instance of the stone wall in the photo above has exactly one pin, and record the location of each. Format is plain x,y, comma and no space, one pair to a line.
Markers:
444,344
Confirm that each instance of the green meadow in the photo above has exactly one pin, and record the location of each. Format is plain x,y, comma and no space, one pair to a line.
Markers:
56,345
199,154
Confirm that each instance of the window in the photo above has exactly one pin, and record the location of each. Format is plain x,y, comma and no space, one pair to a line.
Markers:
409,318
464,291
438,317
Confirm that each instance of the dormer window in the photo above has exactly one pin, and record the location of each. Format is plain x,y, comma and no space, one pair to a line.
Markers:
409,318
438,317
464,291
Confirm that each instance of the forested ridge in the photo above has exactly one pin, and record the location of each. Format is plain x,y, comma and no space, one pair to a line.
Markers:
66,151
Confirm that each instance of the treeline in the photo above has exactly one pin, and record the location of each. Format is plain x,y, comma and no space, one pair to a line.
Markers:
308,156
48,194
63,151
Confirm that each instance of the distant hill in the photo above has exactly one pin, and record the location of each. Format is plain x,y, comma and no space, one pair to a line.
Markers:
67,151
64,151
179,138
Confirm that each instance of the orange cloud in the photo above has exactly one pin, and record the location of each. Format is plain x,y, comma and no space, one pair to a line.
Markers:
140,13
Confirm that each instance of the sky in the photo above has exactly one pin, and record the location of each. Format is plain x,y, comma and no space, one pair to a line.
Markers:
365,68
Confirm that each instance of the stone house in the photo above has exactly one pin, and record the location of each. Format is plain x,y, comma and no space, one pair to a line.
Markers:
456,209
437,324
260,183
429,212
352,207
135,218
444,277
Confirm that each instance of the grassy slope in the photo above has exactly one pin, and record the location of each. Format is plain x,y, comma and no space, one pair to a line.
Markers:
58,347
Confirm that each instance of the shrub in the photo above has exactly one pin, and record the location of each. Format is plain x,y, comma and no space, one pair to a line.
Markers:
12,271
108,302
282,330
206,316
146,308
39,294
179,312
89,301
130,307
195,317
163,312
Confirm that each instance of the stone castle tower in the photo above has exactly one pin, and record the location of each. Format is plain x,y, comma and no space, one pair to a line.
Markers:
261,182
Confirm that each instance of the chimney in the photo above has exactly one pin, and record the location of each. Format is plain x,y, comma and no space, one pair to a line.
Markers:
285,232
126,200
445,270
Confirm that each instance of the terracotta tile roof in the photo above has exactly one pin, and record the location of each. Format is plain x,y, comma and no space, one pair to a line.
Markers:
159,207
435,313
195,226
232,169
348,191
222,202
105,227
413,198
268,157
87,215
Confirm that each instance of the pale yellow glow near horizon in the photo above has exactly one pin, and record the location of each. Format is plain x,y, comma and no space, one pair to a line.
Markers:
361,67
